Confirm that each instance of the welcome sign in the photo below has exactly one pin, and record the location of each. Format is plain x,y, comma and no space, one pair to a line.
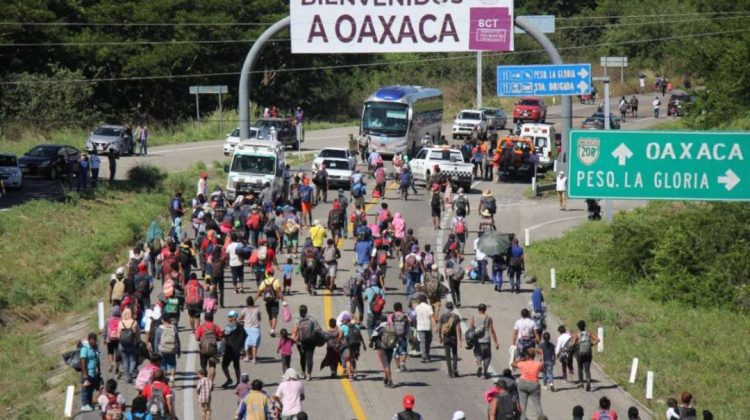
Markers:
379,26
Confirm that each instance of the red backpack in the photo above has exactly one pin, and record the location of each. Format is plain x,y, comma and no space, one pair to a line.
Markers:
253,222
380,176
460,227
113,332
194,293
382,257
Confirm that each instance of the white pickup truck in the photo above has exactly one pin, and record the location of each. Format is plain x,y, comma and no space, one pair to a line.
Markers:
450,162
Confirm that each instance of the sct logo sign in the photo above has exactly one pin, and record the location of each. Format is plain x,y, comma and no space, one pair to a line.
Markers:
588,150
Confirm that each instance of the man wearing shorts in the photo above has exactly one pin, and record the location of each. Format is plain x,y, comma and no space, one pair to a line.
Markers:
306,197
271,297
401,323
235,263
436,206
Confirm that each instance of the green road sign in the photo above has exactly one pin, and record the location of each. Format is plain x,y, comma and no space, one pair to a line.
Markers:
659,165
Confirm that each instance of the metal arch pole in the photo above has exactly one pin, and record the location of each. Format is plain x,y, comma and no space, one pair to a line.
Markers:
247,67
554,55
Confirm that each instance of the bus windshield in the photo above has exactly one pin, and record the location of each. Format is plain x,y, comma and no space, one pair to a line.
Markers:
253,164
384,119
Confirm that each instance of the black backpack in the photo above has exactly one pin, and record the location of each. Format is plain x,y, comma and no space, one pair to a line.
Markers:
506,408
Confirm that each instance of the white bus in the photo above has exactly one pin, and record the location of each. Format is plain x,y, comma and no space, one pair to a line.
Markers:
396,118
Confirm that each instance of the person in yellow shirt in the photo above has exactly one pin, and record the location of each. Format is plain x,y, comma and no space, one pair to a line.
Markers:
318,235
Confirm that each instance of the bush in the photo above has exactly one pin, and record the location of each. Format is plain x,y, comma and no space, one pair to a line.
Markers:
146,177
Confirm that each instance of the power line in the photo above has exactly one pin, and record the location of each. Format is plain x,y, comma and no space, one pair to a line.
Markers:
654,22
377,64
163,24
250,41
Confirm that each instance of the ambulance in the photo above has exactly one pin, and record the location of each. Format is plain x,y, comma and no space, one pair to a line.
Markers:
543,137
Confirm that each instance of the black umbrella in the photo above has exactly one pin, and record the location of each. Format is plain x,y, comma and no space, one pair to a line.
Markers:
494,243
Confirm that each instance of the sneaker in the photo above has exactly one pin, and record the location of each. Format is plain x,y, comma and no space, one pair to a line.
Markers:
87,408
588,387
246,359
552,387
273,333
389,384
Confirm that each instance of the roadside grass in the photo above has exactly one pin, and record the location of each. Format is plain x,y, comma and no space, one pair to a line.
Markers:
700,350
56,257
19,140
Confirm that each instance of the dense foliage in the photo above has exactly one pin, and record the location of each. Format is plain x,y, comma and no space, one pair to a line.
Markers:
155,49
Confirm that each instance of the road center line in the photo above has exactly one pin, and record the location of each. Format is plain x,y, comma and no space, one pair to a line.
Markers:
188,393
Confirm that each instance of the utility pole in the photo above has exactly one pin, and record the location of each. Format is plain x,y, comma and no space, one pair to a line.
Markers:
479,79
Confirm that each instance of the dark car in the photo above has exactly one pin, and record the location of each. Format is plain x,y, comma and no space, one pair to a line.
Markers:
47,160
286,132
596,122
677,103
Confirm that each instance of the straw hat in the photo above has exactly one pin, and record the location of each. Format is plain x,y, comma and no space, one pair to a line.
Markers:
487,193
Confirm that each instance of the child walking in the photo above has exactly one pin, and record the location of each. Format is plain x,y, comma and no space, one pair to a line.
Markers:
287,270
285,349
548,356
205,385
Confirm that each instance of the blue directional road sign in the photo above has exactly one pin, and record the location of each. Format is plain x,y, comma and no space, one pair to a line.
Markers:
544,80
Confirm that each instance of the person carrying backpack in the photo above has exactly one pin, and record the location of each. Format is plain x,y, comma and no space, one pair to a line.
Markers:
436,206
455,274
461,204
306,332
605,411
321,184
459,227
143,285
234,345
159,398
208,336
412,269
484,329
584,342
194,295
350,339
119,285
354,291
374,298
270,291
331,254
129,337
449,335
503,405
564,351
336,219
489,203
167,346
516,265
138,410
111,402
112,339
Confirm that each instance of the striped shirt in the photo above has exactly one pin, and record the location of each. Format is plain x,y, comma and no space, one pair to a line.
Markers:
204,390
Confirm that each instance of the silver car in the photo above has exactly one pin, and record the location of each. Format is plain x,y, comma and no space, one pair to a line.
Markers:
10,172
496,118
108,137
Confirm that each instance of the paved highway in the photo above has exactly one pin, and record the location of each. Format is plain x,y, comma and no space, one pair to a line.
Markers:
437,395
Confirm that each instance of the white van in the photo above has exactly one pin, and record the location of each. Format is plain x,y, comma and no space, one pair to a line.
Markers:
543,136
253,164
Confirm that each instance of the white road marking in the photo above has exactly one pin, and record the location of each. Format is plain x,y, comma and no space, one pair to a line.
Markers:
553,221
188,393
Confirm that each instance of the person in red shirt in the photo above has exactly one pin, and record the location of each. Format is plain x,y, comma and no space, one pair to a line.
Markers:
604,411
208,352
160,384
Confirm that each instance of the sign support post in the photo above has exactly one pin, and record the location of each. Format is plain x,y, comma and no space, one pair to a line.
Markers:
479,79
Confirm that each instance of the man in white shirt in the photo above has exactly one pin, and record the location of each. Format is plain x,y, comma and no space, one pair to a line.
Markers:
425,318
481,258
236,263
96,163
561,184
564,351
656,103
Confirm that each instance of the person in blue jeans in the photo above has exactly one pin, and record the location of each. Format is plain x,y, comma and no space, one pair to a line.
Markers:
548,357
515,266
499,264
90,374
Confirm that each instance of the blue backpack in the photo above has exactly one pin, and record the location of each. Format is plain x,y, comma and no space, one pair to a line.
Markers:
358,190
306,194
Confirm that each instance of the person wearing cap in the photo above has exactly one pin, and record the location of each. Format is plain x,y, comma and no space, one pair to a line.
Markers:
561,185
290,393
318,235
449,335
373,289
234,343
408,413
119,285
352,144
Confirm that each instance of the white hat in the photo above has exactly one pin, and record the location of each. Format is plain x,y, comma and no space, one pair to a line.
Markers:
290,374
316,222
459,415
120,271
